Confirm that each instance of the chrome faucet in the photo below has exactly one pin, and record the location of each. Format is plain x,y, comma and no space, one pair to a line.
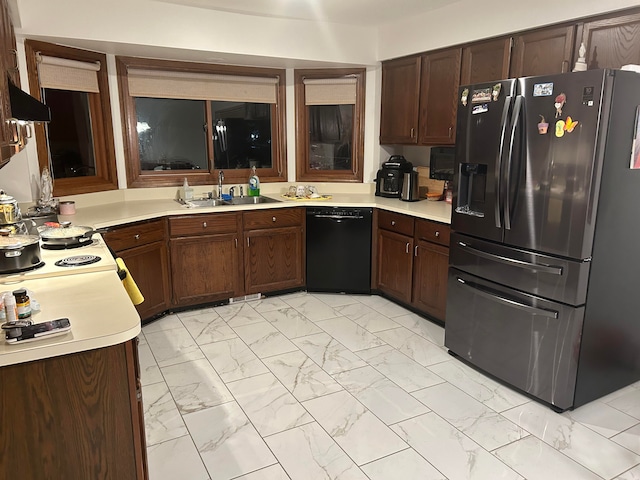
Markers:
220,178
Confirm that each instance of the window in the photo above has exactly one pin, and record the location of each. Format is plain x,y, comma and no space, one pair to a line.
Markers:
330,125
77,145
191,120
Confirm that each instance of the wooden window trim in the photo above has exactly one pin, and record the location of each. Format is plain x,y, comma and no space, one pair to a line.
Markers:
137,178
303,172
106,177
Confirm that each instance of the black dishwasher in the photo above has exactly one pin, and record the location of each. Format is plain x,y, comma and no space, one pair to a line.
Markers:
339,249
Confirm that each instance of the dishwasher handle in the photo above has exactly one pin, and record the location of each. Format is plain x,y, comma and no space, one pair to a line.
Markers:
339,217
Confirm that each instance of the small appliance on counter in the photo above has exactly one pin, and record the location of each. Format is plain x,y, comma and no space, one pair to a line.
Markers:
390,177
410,187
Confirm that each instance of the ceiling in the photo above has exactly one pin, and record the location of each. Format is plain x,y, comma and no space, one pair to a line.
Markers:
368,13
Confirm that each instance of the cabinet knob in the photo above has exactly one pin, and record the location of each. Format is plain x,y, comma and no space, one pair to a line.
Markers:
137,236
393,222
273,219
437,234
204,224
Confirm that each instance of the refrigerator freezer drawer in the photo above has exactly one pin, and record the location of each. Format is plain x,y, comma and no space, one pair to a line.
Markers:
542,275
526,341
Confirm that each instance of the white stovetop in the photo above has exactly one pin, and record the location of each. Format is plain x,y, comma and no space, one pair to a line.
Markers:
50,257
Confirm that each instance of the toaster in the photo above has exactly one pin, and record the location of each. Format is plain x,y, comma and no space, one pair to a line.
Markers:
390,177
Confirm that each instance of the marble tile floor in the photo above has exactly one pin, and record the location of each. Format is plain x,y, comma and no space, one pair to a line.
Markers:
339,387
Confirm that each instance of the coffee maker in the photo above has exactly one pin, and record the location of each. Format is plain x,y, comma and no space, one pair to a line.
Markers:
390,177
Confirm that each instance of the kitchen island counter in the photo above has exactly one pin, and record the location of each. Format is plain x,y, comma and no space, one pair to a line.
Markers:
96,304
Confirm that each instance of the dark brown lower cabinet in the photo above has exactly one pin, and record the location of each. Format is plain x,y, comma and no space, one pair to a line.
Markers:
143,247
274,249
76,416
395,264
413,261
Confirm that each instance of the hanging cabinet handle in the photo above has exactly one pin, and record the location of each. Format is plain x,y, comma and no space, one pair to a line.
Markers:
415,251
406,249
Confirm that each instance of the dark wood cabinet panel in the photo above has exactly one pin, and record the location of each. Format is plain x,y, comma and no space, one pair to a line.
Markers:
143,247
612,42
273,259
396,222
543,52
400,101
149,267
75,414
205,268
9,69
486,61
430,270
439,82
395,264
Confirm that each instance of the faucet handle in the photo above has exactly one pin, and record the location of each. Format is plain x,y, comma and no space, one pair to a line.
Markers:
232,192
241,191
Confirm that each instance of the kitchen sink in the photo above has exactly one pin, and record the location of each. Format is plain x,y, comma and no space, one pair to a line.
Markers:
204,202
250,200
214,202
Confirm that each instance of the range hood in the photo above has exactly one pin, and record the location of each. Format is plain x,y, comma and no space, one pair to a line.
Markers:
26,108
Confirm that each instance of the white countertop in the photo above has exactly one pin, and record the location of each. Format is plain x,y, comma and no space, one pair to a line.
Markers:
118,213
96,305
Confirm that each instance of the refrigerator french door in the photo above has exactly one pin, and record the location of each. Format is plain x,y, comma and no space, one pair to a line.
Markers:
543,253
524,188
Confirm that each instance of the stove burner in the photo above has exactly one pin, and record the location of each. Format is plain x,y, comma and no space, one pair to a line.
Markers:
48,246
78,260
26,269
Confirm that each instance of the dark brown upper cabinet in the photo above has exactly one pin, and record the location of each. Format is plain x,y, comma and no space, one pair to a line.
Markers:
611,42
400,101
543,52
486,61
440,79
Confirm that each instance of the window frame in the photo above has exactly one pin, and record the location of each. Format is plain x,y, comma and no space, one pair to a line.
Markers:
106,177
303,172
137,178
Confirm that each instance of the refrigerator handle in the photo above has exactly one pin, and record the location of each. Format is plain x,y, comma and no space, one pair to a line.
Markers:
507,301
507,177
503,131
512,261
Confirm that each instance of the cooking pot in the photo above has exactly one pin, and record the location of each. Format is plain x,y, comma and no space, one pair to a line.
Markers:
19,252
9,209
66,235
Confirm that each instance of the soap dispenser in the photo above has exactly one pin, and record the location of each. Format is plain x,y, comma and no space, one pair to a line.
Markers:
254,183
187,191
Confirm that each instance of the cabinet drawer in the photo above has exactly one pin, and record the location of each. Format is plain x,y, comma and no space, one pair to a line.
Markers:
433,232
273,218
395,222
135,235
203,224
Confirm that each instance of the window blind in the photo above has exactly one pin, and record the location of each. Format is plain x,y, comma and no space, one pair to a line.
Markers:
330,91
201,86
64,74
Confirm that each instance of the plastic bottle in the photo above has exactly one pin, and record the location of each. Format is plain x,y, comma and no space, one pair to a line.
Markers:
187,191
23,303
10,307
254,183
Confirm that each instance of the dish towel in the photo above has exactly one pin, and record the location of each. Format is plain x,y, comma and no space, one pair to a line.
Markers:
129,284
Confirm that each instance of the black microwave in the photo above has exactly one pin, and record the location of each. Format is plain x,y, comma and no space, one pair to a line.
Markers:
441,163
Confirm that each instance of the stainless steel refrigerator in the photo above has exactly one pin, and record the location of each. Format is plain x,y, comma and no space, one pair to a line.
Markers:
544,260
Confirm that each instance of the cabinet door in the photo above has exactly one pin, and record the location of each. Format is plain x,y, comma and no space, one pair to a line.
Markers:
486,61
6,61
612,42
431,264
400,101
149,267
395,263
439,81
205,268
543,52
273,259
78,412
